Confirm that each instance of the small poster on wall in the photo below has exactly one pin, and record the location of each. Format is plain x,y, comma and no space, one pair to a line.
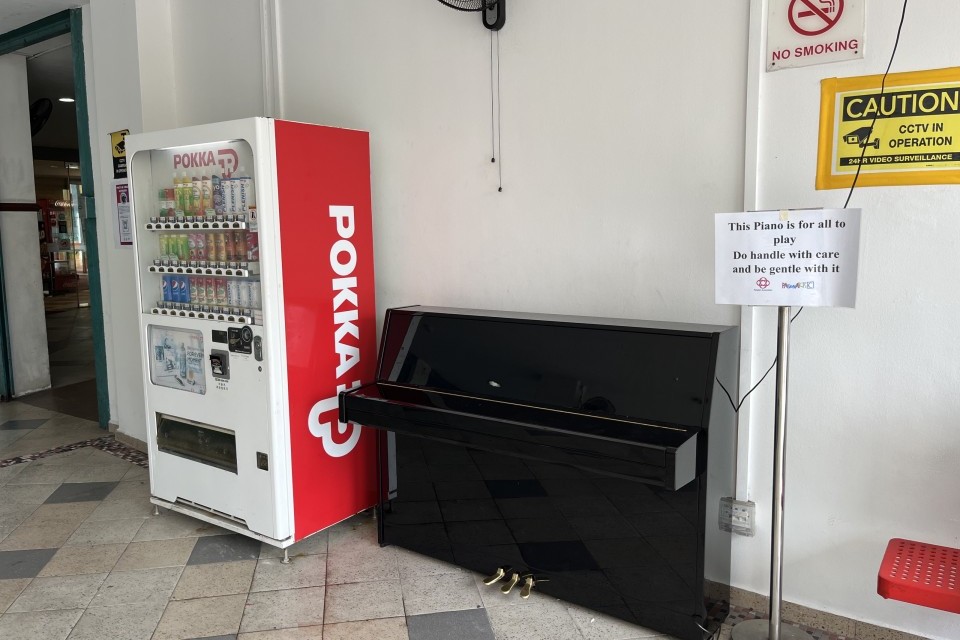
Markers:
118,146
806,257
120,204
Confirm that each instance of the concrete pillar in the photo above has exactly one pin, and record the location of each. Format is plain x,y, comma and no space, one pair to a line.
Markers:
18,234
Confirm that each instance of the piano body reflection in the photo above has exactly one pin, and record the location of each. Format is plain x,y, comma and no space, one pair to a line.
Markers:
587,456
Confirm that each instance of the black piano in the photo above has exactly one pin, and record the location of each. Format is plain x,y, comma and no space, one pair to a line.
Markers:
579,457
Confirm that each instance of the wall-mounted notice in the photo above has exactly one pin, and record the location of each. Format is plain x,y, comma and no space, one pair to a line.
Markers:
806,257
916,138
805,32
120,204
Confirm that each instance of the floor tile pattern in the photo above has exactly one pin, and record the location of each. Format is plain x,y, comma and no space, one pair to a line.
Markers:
84,557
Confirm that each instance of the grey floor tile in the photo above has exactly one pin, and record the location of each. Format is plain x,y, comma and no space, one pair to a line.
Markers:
37,625
201,618
105,532
305,571
380,629
170,525
544,620
129,622
596,626
282,609
463,625
81,492
7,474
301,633
365,563
24,564
138,489
26,494
70,561
62,513
215,579
155,553
22,424
41,473
136,587
363,601
110,473
410,562
65,592
10,589
40,536
433,594
223,548
122,509
137,473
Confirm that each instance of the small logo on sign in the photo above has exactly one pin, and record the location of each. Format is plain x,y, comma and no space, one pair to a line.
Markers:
813,17
809,284
763,283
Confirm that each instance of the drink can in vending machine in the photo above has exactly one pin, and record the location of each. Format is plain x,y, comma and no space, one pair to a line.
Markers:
210,289
183,247
243,294
220,245
254,288
201,242
174,289
166,289
195,290
184,289
221,292
253,246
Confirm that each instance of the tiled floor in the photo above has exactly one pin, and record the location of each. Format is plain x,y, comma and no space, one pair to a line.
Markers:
82,556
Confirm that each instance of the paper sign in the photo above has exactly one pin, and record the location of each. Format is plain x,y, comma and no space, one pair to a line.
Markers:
120,203
118,145
788,258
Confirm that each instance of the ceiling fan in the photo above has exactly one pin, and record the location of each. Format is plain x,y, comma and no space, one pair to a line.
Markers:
493,12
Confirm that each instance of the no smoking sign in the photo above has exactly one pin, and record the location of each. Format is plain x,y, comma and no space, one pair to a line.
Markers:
813,17
805,32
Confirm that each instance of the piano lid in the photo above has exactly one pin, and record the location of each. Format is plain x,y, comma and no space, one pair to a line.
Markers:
635,370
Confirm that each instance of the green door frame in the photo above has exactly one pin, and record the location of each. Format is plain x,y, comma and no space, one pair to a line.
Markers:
69,21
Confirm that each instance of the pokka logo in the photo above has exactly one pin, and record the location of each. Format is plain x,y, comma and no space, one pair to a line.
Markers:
346,313
226,158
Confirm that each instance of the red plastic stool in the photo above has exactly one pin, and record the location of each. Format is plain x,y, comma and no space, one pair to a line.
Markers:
921,573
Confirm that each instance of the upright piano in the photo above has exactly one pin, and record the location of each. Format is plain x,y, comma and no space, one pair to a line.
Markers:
583,458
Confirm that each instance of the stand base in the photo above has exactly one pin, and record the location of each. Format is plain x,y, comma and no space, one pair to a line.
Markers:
760,630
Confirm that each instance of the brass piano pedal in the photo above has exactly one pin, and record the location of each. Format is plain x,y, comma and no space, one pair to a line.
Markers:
514,579
529,582
497,576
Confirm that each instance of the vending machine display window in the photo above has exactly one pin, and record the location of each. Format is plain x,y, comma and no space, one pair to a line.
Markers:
200,443
177,359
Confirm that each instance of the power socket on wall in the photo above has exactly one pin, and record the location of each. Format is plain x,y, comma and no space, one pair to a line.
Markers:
737,516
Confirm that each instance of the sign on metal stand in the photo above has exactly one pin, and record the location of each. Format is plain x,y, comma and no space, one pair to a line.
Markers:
784,258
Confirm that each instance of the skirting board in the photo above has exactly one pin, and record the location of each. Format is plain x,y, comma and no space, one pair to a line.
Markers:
816,619
130,441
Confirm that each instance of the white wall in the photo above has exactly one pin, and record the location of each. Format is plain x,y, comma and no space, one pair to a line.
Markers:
873,411
622,131
18,232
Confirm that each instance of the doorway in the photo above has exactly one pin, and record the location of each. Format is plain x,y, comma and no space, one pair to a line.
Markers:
66,221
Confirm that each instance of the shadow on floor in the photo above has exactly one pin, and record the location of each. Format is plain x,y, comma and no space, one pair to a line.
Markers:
78,400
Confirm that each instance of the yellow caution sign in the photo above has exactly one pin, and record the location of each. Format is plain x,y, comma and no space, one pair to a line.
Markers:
119,146
909,134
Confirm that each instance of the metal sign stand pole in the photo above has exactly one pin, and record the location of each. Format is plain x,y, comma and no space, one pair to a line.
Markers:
763,629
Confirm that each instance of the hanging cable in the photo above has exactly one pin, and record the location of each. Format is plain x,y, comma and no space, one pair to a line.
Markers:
499,121
883,84
493,144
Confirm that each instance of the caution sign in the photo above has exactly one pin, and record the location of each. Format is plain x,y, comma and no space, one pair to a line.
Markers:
805,32
119,147
909,134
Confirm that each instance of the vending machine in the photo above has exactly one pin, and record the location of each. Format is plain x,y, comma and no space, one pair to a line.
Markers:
254,254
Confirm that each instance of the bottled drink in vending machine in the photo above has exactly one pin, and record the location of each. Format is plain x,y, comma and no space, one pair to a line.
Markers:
192,246
194,290
243,294
206,195
240,245
228,249
220,241
253,247
183,247
233,293
164,246
196,188
254,294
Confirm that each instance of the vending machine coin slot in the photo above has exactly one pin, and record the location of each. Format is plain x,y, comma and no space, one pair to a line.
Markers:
220,364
